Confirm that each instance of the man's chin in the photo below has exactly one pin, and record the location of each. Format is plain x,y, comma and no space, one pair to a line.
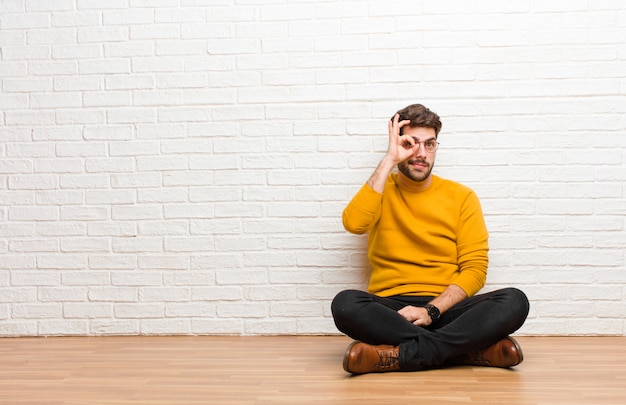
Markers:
415,175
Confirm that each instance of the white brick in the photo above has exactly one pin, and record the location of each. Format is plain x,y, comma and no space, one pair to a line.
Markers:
218,327
136,180
250,276
60,229
157,64
178,47
63,328
33,182
187,15
87,310
136,212
85,245
271,259
120,165
164,228
165,327
62,294
80,181
13,69
217,294
23,20
109,262
263,327
233,46
199,211
117,327
170,194
113,294
216,226
35,278
154,31
33,245
195,244
74,19
61,100
129,82
139,311
83,278
49,5
108,66
76,51
102,34
80,116
62,261
163,262
241,310
18,329
190,278
36,311
128,17
161,163
129,115
164,294
136,279
34,52
194,310
51,36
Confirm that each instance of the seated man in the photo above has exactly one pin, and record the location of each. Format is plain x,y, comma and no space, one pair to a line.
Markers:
427,248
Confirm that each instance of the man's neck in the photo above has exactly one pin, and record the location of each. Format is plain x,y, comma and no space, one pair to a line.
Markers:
414,185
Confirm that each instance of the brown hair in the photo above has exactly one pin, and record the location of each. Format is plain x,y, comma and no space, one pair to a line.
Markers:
420,116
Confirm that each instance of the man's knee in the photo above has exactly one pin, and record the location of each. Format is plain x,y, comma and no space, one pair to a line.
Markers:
517,302
343,303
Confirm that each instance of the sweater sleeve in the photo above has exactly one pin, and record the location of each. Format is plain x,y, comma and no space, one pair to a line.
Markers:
472,247
362,211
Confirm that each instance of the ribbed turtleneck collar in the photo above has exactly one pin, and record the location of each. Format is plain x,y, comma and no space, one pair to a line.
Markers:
414,186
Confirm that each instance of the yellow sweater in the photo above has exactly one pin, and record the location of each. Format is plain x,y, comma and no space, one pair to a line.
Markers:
421,241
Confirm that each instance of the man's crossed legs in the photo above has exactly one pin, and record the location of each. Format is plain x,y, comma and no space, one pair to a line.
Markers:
475,332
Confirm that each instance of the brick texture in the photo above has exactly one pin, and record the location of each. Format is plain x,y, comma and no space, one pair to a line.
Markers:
180,166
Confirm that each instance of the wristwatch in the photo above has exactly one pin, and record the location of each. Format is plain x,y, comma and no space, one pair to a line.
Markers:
433,312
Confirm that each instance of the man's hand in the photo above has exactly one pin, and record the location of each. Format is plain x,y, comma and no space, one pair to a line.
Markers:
401,147
416,315
419,316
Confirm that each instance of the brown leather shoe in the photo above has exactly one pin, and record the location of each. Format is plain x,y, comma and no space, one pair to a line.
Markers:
504,353
362,358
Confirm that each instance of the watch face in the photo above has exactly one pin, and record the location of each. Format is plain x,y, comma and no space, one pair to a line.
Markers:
433,312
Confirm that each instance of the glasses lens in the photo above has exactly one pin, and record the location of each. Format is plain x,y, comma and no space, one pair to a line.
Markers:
431,146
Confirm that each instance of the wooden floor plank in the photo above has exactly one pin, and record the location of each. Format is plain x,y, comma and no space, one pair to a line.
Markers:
293,370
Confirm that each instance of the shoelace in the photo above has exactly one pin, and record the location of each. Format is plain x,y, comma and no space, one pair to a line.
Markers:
387,359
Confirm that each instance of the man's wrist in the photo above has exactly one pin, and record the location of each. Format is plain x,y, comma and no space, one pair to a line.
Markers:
387,163
433,312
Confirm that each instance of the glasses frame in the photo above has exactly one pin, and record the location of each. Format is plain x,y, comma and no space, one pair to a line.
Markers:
424,144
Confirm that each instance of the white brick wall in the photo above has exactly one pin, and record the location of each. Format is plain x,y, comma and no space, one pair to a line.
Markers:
180,166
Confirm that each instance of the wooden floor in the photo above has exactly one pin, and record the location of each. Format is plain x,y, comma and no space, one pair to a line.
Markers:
293,370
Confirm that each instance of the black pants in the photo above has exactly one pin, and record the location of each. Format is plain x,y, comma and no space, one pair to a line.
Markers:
473,324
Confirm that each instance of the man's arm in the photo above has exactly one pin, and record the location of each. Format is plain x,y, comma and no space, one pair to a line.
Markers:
378,179
449,298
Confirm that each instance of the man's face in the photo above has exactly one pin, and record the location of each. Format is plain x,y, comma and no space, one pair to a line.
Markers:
419,166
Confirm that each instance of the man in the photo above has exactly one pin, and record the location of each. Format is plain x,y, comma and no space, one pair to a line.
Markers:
428,249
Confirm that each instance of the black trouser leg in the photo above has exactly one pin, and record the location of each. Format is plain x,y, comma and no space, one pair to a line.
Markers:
471,325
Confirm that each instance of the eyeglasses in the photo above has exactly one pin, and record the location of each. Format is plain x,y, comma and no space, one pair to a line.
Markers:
430,145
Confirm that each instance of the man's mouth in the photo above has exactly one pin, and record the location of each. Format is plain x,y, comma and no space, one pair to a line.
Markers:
418,163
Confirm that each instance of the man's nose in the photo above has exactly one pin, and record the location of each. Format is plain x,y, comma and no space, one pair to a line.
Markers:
421,149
